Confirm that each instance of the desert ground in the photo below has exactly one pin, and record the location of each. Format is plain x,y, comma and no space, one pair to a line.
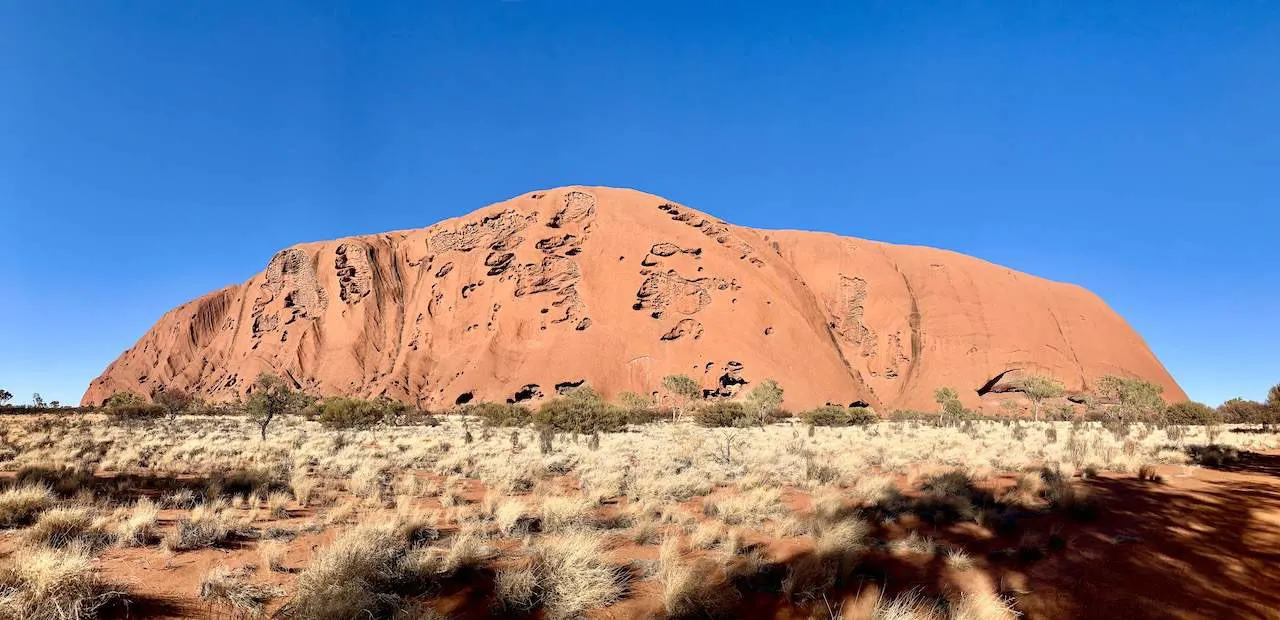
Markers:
451,517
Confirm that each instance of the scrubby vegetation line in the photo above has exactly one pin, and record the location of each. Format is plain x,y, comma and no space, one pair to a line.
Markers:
673,505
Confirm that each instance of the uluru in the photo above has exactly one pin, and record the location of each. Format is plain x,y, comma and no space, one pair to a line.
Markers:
617,288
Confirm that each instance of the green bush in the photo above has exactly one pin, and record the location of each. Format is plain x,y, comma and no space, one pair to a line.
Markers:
342,412
136,412
580,411
723,413
835,415
643,415
1190,412
499,414
1241,411
122,399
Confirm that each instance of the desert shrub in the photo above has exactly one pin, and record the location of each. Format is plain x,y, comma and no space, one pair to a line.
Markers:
1190,412
580,411
53,584
19,506
722,413
498,414
835,415
250,480
354,412
1241,411
1130,399
136,412
644,415
123,399
633,400
1214,455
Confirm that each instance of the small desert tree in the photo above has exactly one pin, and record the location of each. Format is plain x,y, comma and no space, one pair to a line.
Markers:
271,397
5,397
37,400
1039,388
1273,396
173,401
1132,399
764,399
949,405
683,390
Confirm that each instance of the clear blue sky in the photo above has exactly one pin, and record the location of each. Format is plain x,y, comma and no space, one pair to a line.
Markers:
153,151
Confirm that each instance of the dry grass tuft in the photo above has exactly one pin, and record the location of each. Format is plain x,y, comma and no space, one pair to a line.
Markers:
838,548
232,591
20,506
139,528
53,584
708,535
912,605
206,526
353,577
516,587
278,505
67,526
572,577
563,513
983,606
957,559
695,588
272,554
303,487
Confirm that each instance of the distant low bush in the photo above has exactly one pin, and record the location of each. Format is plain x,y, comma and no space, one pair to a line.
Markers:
1241,411
499,414
342,412
722,414
909,415
835,415
1190,412
643,415
136,412
121,399
580,411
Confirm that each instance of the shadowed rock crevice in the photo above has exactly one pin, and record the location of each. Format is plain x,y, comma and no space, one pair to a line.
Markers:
992,384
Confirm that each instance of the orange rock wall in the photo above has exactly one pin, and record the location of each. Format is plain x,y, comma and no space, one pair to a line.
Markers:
619,288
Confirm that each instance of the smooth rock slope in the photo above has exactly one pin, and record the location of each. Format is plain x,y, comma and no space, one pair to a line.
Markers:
618,288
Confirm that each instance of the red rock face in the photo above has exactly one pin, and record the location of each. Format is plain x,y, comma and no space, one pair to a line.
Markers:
618,288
